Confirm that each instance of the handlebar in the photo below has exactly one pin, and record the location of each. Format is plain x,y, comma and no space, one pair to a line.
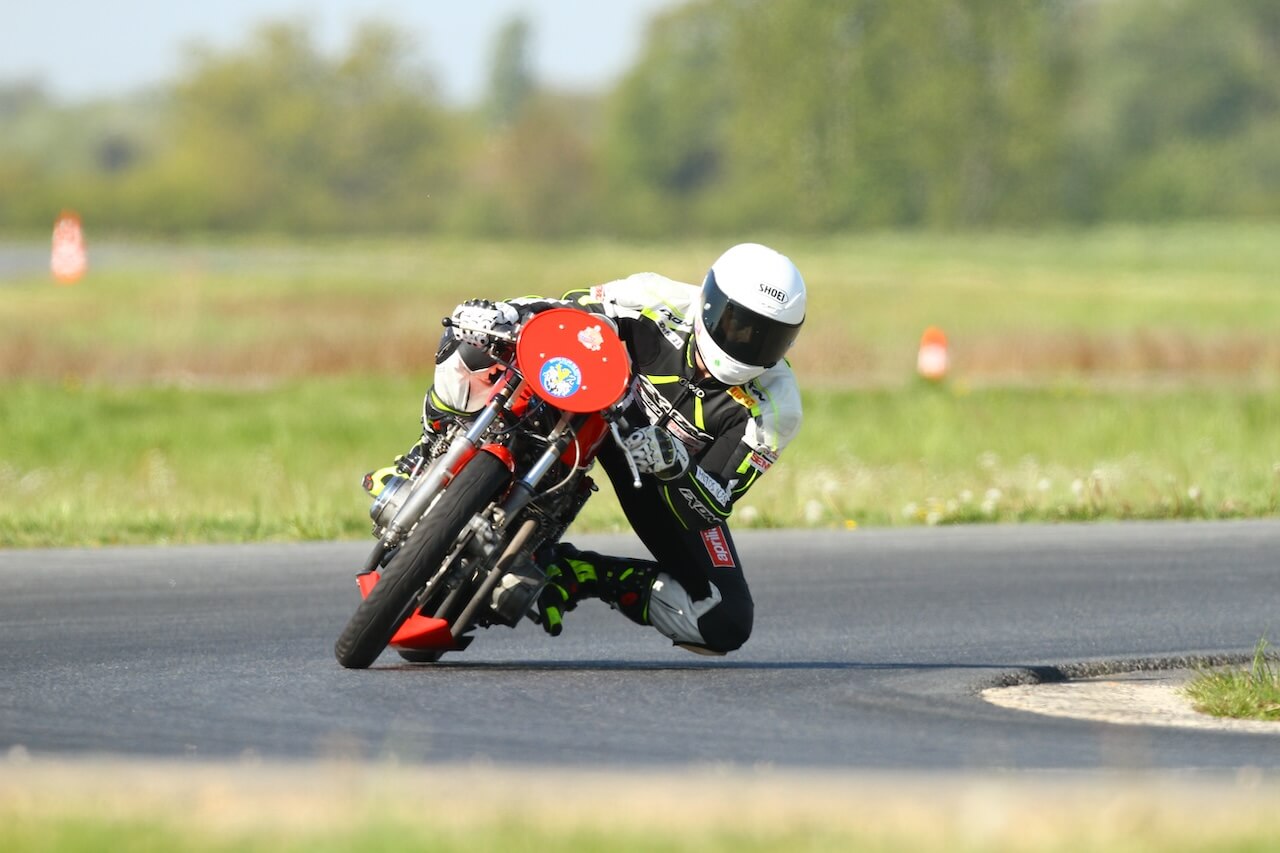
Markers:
496,334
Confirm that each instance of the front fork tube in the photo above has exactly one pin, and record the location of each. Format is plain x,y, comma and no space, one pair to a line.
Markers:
439,473
525,489
522,493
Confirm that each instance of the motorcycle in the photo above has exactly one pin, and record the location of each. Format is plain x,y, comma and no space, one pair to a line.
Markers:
458,532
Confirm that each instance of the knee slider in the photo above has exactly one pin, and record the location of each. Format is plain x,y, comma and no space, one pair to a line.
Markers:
727,628
712,623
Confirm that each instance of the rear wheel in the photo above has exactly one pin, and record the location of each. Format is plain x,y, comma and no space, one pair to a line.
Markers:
391,601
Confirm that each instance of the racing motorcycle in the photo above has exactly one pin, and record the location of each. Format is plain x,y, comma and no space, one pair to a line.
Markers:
457,533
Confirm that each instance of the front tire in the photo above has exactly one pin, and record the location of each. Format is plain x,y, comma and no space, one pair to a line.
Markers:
390,602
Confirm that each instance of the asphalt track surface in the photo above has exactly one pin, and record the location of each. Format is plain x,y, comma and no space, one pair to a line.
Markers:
869,652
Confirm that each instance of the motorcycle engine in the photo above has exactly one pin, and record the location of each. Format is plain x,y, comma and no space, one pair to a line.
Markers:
516,593
389,501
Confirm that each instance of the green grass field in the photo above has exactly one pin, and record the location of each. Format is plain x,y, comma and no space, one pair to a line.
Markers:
227,392
113,465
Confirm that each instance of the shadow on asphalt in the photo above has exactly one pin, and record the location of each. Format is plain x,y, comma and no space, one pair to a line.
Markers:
704,664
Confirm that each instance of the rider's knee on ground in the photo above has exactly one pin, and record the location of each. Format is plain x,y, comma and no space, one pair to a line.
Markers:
716,623
726,628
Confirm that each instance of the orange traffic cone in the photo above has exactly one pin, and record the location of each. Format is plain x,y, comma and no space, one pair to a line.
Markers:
69,260
932,363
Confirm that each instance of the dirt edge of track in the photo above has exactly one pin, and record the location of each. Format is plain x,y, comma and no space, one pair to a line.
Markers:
1137,692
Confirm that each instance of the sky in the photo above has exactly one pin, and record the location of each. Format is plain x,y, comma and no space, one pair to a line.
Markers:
81,49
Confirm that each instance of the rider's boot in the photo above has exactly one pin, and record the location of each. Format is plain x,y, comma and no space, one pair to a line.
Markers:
376,481
574,575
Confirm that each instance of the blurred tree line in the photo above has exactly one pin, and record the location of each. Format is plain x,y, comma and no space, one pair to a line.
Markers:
803,115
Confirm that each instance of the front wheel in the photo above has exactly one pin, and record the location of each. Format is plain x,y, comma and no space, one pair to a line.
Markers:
391,601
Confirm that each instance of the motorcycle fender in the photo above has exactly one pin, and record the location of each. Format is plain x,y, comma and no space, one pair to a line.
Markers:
503,454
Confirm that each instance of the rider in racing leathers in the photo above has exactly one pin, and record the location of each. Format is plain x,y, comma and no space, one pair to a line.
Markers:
721,403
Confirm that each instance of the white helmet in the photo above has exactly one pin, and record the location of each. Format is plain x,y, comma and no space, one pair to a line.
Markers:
751,311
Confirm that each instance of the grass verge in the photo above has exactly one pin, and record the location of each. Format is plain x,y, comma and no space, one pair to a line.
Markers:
219,807
83,465
1252,694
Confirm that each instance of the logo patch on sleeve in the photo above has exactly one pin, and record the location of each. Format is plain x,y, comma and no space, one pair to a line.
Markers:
714,489
742,397
718,548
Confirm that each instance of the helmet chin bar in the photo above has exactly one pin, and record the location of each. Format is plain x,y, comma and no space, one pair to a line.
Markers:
720,364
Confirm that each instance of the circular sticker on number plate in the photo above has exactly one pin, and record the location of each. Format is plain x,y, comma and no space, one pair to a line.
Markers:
561,377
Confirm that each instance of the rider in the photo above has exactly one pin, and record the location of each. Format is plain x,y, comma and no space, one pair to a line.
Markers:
720,403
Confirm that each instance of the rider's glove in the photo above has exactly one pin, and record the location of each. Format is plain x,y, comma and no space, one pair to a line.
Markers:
482,316
656,451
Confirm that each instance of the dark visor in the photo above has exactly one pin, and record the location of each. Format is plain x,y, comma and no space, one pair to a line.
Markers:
743,334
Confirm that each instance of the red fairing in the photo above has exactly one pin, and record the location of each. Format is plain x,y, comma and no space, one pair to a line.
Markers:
520,402
586,442
574,360
418,632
